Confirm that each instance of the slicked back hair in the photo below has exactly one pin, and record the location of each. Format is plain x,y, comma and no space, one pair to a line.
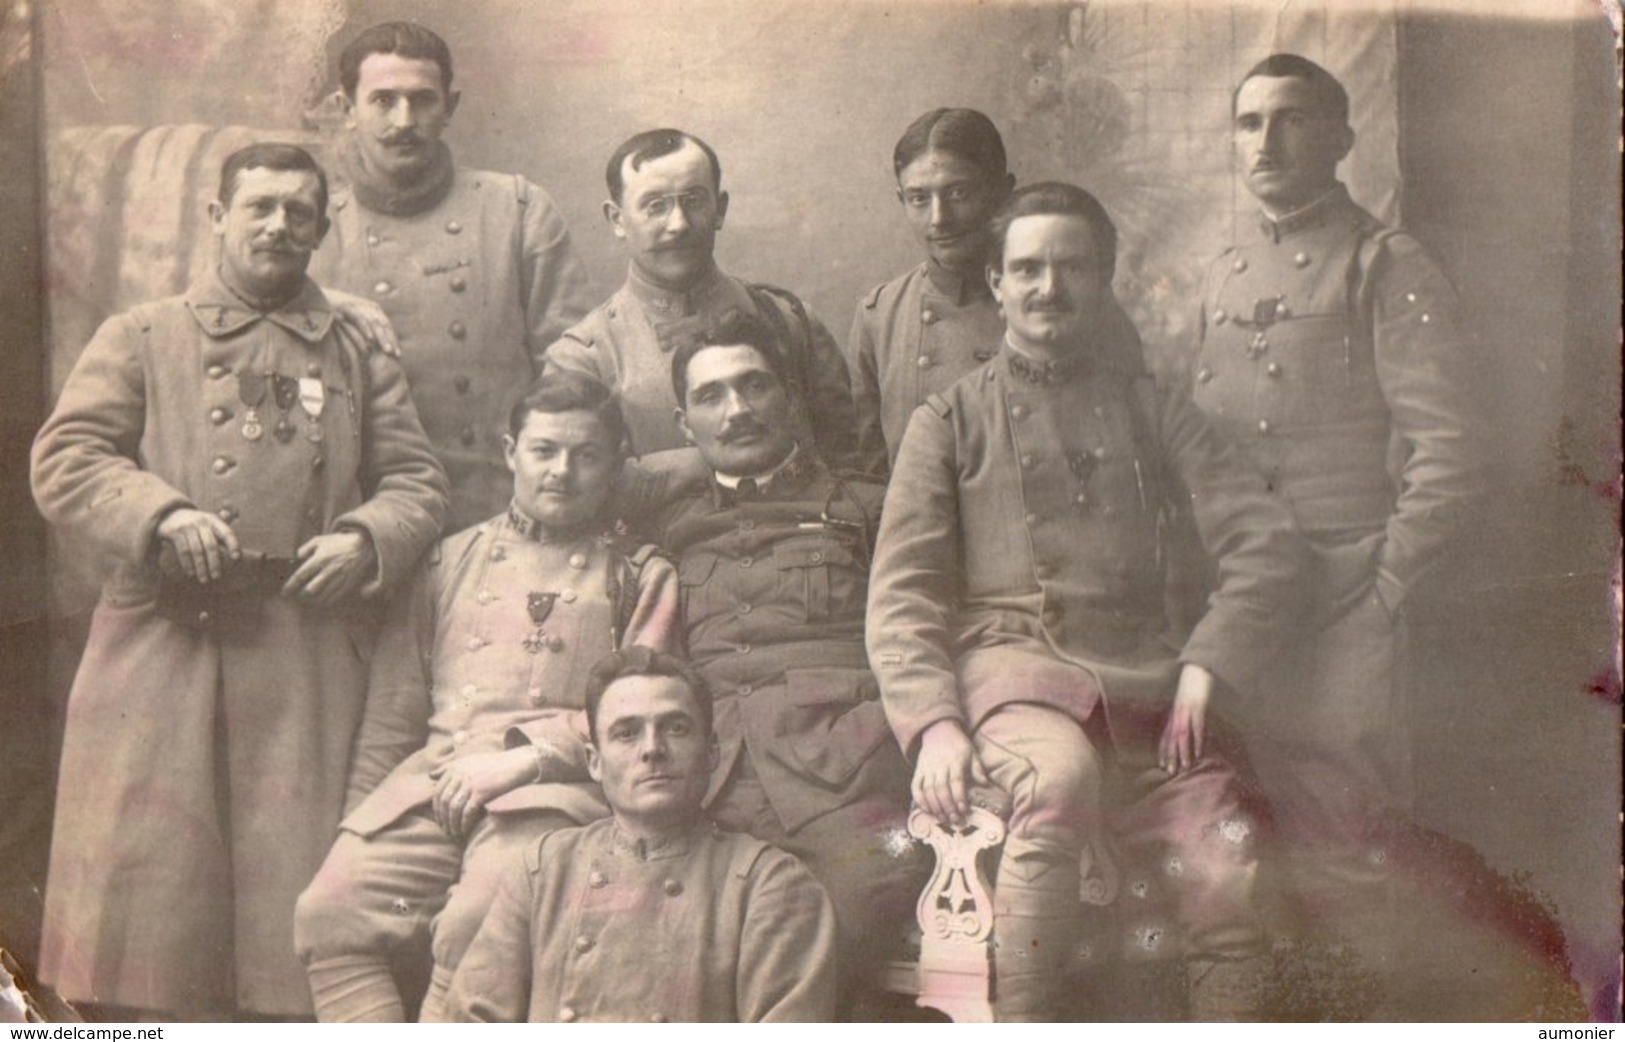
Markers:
652,144
639,661
271,155
1330,97
965,133
1061,199
403,39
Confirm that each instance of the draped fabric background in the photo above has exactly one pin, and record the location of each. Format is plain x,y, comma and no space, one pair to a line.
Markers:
1489,128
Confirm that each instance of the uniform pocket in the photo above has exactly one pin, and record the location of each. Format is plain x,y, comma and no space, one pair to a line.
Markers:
822,575
835,721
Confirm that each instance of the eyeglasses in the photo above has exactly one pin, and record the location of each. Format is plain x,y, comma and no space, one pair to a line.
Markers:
659,207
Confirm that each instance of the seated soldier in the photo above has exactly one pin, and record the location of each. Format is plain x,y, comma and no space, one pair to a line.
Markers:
471,745
1016,620
653,914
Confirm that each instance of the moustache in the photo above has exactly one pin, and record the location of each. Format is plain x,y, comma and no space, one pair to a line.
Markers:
742,429
402,137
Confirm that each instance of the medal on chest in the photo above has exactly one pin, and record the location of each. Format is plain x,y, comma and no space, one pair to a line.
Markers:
286,389
312,399
251,391
539,606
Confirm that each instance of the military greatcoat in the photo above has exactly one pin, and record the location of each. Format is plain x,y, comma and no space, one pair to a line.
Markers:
476,285
1332,355
205,757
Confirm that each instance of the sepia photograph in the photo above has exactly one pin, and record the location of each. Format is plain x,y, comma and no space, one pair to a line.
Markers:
900,511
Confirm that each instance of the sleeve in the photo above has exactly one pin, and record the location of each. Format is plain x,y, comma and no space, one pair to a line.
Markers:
552,280
828,390
86,477
395,717
575,355
404,484
1259,558
1425,371
787,969
492,983
871,455
914,582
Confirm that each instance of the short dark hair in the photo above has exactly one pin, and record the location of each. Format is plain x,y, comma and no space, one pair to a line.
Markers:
652,144
1055,197
1330,97
736,327
271,155
965,133
405,39
560,390
639,661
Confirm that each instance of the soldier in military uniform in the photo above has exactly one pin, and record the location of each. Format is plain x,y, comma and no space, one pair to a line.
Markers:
1017,628
666,204
257,482
1331,353
475,269
653,914
914,336
472,744
773,560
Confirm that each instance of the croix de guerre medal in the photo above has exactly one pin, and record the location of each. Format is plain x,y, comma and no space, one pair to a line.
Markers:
251,388
286,389
539,605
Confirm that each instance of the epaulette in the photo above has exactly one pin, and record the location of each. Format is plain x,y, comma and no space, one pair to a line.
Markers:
939,405
872,301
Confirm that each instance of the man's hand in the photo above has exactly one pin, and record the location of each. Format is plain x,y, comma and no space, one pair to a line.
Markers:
1181,744
467,784
946,768
333,567
201,542
362,323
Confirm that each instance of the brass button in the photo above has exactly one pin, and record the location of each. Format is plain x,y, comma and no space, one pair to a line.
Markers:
221,465
475,643
1220,317
928,316
1203,375
567,1015
1100,452
458,283
578,560
657,1018
598,880
485,597
744,690
466,435
372,240
1263,426
313,369
454,227
215,372
227,514
218,415
1281,310
1273,369
1240,265
817,557
583,943
457,330
535,694
744,649
204,618
568,596
672,887
1018,411
1301,260
555,643
924,361
745,608
746,562
317,463
383,287
498,553
1032,519
1081,499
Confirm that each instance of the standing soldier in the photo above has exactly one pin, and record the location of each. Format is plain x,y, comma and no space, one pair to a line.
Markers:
1016,623
258,484
1330,352
474,268
666,204
472,744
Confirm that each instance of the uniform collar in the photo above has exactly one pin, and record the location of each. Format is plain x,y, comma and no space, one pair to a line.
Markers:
785,479
222,313
664,303
637,848
957,287
1310,215
528,528
382,196
1115,348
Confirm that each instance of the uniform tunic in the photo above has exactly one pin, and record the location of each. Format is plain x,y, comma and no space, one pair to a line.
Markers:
1330,353
463,668
205,760
773,594
1019,567
476,286
628,341
708,926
